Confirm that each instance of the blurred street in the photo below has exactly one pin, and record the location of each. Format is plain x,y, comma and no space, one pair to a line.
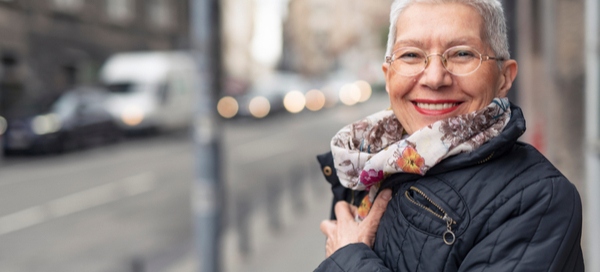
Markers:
78,78
126,206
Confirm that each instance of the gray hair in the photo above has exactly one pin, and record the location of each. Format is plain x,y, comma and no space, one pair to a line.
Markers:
490,10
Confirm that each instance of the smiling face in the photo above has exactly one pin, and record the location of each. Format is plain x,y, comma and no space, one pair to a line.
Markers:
436,94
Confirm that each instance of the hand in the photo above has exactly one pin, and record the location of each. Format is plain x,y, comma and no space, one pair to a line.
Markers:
347,231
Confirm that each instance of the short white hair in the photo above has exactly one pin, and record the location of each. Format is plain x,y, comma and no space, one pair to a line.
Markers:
490,10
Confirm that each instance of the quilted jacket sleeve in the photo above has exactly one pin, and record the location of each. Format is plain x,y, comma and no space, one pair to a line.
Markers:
339,191
353,258
542,234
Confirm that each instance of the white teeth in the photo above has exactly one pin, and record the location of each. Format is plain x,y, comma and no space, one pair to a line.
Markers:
440,106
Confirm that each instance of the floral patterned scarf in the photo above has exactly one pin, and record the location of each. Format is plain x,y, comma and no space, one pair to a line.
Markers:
368,151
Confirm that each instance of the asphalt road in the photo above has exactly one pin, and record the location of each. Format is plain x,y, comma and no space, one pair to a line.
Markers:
126,206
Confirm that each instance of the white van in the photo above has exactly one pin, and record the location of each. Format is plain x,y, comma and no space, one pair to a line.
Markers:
150,90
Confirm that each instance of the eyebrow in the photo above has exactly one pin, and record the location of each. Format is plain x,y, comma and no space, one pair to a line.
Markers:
453,42
464,41
409,42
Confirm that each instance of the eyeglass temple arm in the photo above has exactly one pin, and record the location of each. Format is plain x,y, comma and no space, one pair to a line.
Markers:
492,58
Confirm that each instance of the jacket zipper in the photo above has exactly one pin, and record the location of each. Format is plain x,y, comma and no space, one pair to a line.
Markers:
448,235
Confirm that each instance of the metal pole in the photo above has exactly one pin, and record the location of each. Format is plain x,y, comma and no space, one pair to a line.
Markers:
592,121
206,190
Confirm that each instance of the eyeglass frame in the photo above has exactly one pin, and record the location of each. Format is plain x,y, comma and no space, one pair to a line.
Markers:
482,58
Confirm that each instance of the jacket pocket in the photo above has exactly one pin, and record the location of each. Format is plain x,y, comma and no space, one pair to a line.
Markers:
429,213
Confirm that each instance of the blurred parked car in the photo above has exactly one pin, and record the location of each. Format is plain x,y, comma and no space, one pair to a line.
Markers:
75,119
150,90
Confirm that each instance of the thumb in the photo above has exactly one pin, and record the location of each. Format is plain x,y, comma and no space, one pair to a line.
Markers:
328,227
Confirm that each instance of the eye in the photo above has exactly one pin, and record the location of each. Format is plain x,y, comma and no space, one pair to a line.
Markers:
465,54
410,55
462,53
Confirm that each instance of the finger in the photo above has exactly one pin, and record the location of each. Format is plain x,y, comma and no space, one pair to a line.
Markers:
328,226
342,211
329,247
379,206
353,210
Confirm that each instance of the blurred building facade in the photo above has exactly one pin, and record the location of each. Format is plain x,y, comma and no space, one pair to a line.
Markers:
550,52
48,46
318,37
323,35
237,21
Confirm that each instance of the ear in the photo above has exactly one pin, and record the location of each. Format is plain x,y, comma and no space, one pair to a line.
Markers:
507,77
385,67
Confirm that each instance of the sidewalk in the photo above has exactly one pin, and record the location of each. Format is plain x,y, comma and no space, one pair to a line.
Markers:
298,246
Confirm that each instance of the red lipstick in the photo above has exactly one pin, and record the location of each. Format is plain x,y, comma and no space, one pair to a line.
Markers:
436,112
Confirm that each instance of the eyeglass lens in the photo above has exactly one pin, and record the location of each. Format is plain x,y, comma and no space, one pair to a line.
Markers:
459,60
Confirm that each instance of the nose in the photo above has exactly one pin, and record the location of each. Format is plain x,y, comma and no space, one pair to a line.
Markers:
435,75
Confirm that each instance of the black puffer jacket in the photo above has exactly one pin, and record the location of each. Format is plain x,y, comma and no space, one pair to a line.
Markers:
511,211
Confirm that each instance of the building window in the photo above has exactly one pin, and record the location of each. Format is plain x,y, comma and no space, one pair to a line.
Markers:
70,6
159,13
120,10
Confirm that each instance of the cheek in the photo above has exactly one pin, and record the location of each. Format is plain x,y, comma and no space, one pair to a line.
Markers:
481,89
488,83
399,87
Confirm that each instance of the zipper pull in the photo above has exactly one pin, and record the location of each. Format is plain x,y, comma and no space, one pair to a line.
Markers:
448,231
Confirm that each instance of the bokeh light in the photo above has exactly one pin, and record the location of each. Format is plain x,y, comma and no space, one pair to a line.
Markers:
132,116
45,124
365,90
349,94
294,101
228,107
259,107
315,100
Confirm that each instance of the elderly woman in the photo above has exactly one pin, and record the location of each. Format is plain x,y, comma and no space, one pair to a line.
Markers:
451,187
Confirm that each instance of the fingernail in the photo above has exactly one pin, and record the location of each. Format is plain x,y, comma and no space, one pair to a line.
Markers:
386,194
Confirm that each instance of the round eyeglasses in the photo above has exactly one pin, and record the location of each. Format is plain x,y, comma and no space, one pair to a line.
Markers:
459,60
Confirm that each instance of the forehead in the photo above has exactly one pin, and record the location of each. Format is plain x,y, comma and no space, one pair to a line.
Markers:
445,24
